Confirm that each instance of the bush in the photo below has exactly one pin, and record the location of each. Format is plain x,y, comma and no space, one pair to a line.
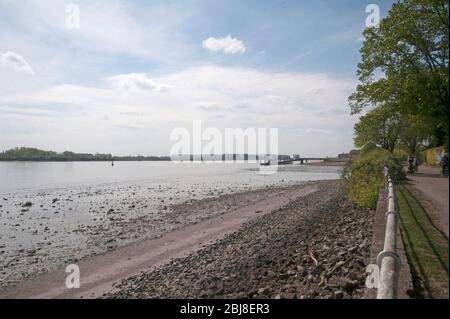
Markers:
364,175
395,168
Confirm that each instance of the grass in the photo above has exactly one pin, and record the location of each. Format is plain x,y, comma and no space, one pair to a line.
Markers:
426,247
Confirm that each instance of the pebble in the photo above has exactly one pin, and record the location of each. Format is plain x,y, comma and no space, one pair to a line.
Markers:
297,251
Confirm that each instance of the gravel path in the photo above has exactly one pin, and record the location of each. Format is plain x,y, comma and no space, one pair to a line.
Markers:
315,247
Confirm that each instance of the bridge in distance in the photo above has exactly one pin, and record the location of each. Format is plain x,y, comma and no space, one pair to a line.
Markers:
302,160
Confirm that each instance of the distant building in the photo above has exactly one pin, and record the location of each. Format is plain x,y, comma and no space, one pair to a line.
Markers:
344,155
284,157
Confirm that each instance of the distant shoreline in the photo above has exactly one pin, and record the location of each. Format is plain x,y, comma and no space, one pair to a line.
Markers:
98,160
28,154
323,163
31,154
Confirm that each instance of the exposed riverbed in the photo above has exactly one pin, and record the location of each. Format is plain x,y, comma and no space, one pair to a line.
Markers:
316,246
97,208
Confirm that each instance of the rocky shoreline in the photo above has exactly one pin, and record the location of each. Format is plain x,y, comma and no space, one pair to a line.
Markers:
315,247
42,231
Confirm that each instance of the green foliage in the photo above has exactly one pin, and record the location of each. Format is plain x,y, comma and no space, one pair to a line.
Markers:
34,154
364,175
414,131
379,127
21,153
404,63
403,79
395,168
386,127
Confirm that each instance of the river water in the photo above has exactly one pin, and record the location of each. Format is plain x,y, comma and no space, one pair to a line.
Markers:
35,176
52,213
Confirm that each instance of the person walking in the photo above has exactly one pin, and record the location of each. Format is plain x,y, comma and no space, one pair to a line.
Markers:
444,164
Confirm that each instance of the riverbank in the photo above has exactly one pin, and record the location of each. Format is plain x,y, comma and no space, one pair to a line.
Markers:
54,214
116,237
301,241
316,246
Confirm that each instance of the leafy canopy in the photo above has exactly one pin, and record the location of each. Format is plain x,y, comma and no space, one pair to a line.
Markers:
404,62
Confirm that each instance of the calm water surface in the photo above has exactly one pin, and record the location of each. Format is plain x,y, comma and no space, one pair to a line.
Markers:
33,176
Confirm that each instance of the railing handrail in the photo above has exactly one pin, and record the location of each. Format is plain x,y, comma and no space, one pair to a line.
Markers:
388,260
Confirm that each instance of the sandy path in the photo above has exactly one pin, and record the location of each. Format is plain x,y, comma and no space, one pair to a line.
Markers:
99,273
432,189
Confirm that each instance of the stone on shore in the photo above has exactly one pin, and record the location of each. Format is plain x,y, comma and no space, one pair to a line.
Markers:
314,247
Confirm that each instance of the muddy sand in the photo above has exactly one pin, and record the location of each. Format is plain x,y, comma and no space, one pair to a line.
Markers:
300,241
187,226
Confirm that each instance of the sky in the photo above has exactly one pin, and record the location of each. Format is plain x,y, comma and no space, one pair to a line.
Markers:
118,77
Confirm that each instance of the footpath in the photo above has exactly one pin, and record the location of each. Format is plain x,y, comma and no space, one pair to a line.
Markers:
431,188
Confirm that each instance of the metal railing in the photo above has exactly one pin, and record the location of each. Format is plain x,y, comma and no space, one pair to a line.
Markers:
388,260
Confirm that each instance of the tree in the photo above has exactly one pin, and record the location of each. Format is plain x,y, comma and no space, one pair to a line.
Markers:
414,132
405,62
381,127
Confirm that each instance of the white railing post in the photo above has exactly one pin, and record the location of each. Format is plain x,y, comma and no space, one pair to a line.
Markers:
388,260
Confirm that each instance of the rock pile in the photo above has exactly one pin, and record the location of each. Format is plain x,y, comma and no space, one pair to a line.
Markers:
315,247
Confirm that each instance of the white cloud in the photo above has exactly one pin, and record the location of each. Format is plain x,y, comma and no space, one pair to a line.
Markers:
228,45
106,27
138,81
16,62
219,96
